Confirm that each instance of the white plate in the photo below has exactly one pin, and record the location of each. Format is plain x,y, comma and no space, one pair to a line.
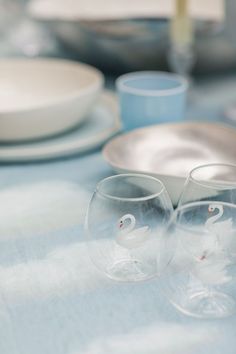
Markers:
73,10
170,151
101,124
41,97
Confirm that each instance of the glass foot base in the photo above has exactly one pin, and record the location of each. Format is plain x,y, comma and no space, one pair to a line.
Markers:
129,270
208,305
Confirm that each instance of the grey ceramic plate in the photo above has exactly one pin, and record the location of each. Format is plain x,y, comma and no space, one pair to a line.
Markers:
101,124
170,151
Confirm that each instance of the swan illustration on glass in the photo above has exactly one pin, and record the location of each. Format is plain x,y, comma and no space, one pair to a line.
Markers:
128,236
218,239
212,270
220,226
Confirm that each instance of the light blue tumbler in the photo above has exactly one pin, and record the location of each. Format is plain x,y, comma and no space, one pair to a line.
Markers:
151,97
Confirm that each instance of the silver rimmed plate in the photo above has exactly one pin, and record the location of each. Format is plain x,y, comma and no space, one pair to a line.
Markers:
100,125
170,151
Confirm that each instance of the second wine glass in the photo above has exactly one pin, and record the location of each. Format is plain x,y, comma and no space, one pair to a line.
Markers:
198,259
216,182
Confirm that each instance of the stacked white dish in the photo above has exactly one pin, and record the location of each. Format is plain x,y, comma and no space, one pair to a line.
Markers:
42,98
118,30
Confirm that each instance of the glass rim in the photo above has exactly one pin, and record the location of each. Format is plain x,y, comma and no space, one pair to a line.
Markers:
135,199
205,182
123,79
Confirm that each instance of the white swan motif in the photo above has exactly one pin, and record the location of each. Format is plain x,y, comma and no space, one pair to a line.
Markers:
217,239
211,271
128,236
219,227
211,267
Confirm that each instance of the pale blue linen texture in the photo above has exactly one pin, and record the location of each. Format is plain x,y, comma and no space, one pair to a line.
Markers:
53,300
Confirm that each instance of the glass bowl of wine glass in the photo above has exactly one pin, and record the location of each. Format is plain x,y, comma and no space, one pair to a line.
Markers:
124,225
199,256
215,182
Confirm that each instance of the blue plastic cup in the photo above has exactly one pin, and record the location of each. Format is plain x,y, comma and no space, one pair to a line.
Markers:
151,97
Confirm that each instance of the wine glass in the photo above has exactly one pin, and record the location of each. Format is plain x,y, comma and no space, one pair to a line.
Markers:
124,224
210,182
199,258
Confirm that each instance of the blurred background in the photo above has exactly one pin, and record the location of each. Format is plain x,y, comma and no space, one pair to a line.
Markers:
120,36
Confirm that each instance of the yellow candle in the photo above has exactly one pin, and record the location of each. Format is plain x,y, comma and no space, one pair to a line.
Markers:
181,26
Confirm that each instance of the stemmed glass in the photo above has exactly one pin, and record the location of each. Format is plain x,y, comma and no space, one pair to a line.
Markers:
124,224
210,182
199,258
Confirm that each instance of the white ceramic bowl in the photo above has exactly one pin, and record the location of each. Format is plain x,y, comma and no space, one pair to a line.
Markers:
42,97
170,151
119,32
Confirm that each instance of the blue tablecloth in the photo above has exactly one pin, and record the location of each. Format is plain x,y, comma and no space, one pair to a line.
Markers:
53,300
